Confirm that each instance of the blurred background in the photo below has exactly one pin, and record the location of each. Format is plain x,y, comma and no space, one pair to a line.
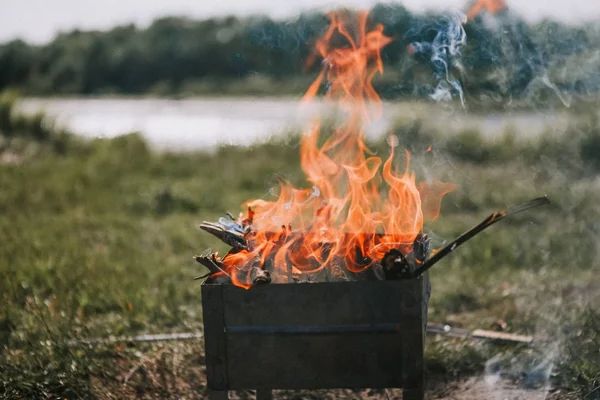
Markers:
538,55
123,125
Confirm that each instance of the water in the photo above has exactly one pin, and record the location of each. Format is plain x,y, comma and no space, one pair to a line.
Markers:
203,123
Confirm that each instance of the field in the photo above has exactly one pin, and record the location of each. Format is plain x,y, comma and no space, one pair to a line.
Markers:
97,239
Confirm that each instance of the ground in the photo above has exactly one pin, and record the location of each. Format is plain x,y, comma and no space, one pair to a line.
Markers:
177,370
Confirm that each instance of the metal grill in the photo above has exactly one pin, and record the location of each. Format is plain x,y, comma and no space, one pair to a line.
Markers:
367,334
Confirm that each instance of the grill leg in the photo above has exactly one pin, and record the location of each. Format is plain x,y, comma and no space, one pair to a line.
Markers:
413,344
218,395
264,394
413,394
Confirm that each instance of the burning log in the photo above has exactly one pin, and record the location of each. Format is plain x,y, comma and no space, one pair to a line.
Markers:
234,233
396,266
217,273
250,273
421,248
259,276
399,266
336,271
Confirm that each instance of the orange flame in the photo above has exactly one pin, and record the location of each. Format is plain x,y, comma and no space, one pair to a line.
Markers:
359,208
492,6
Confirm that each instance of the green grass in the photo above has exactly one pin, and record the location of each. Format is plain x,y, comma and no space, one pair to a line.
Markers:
98,238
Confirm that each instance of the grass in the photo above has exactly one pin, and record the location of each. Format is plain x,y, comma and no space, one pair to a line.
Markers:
98,237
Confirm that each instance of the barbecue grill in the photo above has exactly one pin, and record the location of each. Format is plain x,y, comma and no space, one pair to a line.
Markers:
367,334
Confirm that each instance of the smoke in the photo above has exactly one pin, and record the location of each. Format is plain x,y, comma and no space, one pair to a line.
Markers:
501,44
554,304
532,368
522,69
444,53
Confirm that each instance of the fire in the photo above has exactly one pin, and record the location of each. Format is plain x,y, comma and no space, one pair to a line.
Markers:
492,6
359,208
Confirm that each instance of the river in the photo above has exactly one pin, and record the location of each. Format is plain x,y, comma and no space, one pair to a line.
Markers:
202,123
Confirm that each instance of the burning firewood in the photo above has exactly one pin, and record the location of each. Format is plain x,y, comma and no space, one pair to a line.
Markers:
395,264
400,266
217,273
336,271
252,270
421,247
259,276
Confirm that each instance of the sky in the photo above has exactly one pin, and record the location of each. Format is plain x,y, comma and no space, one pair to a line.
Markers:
38,21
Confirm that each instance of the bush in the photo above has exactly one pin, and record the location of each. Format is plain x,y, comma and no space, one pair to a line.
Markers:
13,124
28,135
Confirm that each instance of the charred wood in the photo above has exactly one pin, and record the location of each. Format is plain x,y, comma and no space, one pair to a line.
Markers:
217,273
396,266
421,247
258,276
336,271
252,272
227,235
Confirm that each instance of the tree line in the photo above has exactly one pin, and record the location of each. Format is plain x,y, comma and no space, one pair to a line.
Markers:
177,54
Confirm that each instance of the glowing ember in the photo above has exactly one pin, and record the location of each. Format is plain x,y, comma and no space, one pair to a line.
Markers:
359,208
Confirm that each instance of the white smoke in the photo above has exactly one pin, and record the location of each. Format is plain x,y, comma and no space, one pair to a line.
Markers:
445,53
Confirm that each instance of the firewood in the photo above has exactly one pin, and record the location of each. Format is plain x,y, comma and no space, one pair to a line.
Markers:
215,267
421,247
375,272
259,276
396,266
203,276
231,237
250,271
336,271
